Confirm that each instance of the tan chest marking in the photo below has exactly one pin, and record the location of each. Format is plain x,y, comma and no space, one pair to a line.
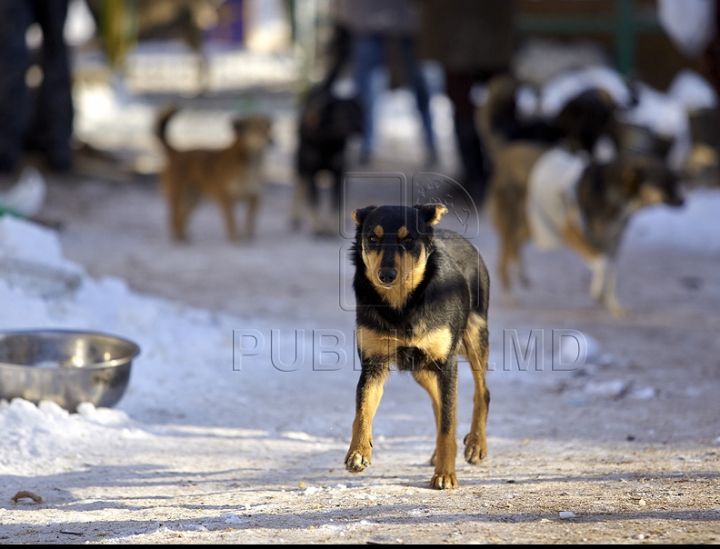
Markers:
436,343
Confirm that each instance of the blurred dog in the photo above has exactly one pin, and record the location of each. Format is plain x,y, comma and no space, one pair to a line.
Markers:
422,297
227,176
556,194
585,206
581,122
327,122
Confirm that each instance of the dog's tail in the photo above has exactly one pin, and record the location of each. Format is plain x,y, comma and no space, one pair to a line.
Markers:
498,108
161,126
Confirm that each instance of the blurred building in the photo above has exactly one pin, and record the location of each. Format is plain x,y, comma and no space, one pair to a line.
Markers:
628,30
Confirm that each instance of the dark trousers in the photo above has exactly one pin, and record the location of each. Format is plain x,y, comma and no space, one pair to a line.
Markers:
370,53
474,159
42,118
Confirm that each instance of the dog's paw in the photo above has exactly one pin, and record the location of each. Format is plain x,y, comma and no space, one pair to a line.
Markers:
615,308
620,312
444,481
475,450
355,462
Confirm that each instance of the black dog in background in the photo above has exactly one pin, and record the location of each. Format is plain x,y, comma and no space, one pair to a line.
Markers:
580,123
327,121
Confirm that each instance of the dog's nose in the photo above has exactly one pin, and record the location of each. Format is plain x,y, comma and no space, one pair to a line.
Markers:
387,276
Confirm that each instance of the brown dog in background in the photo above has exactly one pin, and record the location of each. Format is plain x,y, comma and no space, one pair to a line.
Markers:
227,176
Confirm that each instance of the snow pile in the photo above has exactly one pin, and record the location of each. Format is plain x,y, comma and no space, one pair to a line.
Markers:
690,228
566,86
49,433
183,352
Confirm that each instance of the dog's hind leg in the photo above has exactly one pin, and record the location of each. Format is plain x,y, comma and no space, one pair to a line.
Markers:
367,398
226,206
253,201
475,349
299,202
507,225
181,206
177,220
337,198
521,271
313,203
508,259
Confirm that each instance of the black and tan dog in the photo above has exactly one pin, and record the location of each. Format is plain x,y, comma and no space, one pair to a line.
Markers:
422,297
227,176
327,122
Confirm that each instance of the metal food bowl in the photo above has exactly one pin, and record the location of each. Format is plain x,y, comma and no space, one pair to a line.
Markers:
66,367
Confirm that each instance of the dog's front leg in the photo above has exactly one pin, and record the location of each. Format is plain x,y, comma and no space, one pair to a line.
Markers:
602,287
599,268
609,297
367,398
446,446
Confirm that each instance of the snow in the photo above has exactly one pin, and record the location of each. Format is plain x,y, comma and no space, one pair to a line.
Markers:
690,228
568,85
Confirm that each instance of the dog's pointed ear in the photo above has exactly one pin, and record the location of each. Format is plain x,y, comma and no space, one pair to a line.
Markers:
431,213
360,214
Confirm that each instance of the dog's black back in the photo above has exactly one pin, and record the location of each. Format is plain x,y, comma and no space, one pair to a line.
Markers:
580,123
327,122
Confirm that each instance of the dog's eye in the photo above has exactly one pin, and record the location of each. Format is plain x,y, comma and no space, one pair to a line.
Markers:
374,239
407,240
